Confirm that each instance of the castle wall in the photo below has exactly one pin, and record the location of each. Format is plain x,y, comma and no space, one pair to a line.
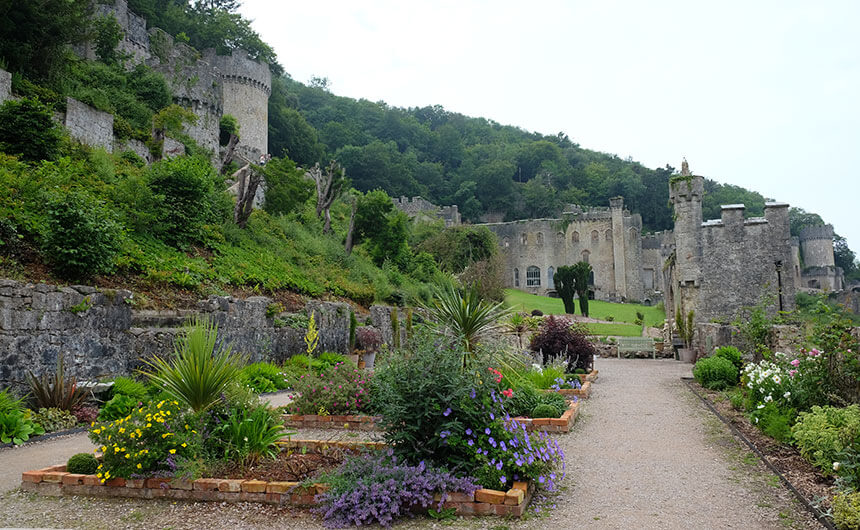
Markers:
247,85
135,42
579,236
816,243
420,207
5,86
88,125
101,334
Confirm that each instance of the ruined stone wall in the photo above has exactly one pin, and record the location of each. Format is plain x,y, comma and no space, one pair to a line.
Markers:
5,86
418,207
88,125
101,334
579,236
135,40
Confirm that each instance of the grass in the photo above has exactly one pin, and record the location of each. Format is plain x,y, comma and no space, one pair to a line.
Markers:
596,309
616,330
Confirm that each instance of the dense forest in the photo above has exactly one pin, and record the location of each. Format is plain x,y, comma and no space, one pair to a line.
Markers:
488,169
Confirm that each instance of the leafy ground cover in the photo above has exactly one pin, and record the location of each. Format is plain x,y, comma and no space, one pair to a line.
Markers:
598,309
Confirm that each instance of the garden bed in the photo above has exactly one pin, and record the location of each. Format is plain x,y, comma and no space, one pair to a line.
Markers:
787,460
563,424
589,377
314,421
247,486
581,393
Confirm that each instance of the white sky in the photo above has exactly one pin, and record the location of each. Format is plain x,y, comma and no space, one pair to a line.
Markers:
762,94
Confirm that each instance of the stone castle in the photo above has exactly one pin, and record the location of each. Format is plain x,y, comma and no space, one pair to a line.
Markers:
710,267
210,85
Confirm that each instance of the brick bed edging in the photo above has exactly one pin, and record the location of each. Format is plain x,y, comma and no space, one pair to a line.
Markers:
350,422
55,481
590,376
563,424
582,393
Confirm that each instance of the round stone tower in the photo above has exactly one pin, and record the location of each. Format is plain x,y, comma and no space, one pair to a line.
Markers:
816,246
245,88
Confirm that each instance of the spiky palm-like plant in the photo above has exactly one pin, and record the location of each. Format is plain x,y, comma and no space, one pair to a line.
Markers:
464,315
199,373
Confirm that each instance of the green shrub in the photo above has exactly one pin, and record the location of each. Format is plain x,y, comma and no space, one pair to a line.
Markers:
732,354
736,398
526,397
9,403
250,435
82,237
339,390
15,428
331,358
126,386
846,511
54,419
545,411
227,126
775,421
117,407
263,377
55,390
82,463
554,400
715,373
824,432
27,129
546,377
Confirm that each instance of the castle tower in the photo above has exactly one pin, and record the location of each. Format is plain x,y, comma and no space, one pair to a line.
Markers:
685,193
246,87
616,206
819,264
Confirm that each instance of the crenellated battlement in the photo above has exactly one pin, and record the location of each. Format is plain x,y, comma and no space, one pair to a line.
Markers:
239,68
816,232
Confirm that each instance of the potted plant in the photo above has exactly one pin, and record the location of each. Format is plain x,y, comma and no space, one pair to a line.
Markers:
368,340
659,345
685,333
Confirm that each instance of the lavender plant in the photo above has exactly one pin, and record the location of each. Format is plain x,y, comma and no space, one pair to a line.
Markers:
379,487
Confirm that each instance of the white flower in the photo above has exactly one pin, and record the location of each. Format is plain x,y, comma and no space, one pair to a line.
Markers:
768,399
787,395
836,466
756,420
750,385
760,406
777,379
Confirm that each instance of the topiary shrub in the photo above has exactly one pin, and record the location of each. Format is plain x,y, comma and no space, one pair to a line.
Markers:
82,238
846,511
83,464
557,337
824,432
715,373
732,354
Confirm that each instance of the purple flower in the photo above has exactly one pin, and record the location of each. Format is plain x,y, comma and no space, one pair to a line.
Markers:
541,479
492,416
471,443
503,479
447,412
487,431
499,465
443,434
503,446
472,394
468,432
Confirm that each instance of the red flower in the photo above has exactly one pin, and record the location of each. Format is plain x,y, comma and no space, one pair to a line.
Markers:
508,393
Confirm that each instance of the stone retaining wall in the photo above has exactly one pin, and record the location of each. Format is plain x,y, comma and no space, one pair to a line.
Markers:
99,333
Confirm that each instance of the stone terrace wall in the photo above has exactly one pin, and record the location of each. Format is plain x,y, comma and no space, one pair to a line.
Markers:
88,125
5,85
99,333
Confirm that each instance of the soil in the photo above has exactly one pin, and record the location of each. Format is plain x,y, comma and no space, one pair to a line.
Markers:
815,487
288,467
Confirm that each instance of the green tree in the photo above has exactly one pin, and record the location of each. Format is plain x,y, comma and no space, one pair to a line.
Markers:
371,216
457,247
27,129
565,284
581,274
108,35
286,186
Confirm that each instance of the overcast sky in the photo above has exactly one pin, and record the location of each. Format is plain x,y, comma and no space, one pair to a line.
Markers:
765,95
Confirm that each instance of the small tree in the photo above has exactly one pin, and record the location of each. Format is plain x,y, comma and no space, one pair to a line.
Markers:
27,129
581,273
329,184
558,337
565,284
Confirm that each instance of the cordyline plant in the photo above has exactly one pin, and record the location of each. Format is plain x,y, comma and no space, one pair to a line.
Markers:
464,316
56,391
199,373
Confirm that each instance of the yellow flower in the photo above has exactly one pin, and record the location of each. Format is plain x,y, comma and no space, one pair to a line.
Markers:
165,435
107,475
149,425
183,444
139,466
103,449
116,449
176,403
99,475
186,427
92,424
121,430
127,455
159,404
172,451
96,431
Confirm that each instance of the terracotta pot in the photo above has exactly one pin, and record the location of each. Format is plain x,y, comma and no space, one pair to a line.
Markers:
658,346
353,358
368,359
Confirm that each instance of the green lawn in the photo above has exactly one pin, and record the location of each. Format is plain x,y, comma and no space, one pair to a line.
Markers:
618,330
596,309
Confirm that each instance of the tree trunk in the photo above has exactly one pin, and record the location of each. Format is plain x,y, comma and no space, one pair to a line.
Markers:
348,245
327,225
228,156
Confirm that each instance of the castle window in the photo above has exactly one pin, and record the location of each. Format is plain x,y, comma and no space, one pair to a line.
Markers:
575,237
585,255
608,235
533,277
540,238
550,281
634,233
524,239
559,237
506,242
595,237
516,277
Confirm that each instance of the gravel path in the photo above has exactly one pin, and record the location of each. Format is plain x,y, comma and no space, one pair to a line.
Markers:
645,453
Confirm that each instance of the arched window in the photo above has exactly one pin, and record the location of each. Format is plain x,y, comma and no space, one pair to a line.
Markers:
516,277
506,242
540,239
591,278
524,239
575,237
533,277
608,235
559,237
585,255
634,233
595,237
550,282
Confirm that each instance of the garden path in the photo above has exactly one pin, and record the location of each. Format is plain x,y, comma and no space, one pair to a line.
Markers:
647,454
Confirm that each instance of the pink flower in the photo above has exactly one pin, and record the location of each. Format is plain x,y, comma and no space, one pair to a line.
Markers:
792,373
795,362
508,393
